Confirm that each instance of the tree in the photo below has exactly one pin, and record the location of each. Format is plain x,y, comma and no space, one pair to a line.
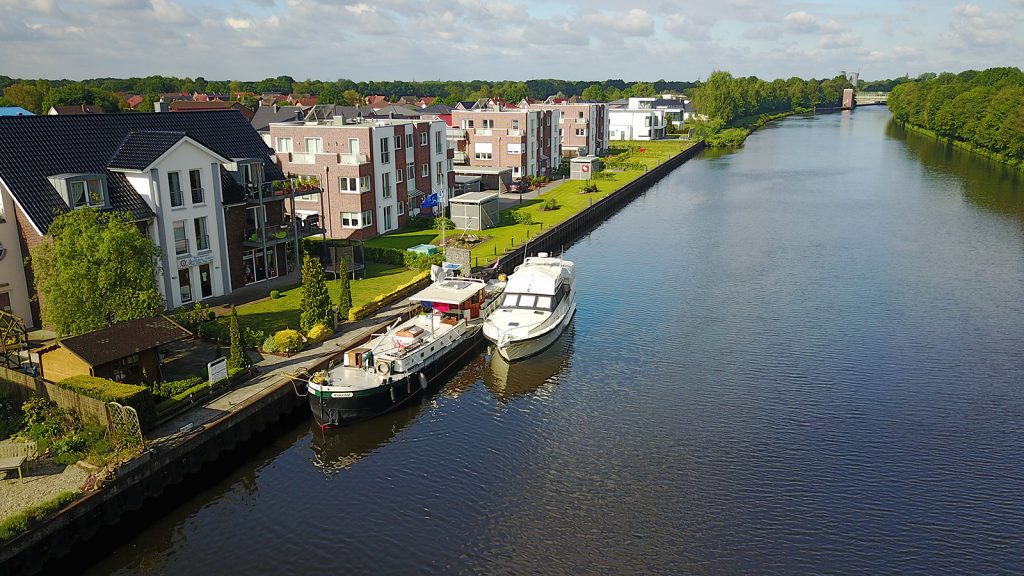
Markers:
316,302
642,90
351,97
74,94
28,95
593,93
238,359
345,298
97,270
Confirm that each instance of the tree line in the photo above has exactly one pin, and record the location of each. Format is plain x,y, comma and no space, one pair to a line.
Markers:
38,95
984,109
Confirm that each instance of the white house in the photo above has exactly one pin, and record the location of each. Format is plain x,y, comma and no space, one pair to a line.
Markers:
639,120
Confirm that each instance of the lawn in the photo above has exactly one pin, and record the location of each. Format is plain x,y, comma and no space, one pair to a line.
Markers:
507,237
273,314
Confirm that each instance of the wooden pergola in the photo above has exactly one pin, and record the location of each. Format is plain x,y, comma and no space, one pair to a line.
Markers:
13,341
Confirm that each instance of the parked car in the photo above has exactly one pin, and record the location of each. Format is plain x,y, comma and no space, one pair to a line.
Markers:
517,188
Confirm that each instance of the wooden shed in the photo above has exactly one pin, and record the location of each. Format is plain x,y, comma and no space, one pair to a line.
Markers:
121,352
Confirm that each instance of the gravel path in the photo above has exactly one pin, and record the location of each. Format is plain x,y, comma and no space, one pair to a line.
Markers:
43,481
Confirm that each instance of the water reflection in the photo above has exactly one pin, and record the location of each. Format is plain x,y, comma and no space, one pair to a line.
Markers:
987,183
337,449
506,380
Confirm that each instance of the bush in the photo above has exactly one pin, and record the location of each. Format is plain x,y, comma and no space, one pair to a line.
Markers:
168,389
211,315
275,294
269,345
11,417
729,137
253,337
442,223
137,397
551,204
418,222
288,341
517,216
319,333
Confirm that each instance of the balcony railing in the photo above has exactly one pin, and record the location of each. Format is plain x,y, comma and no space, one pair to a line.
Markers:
302,158
460,157
282,233
456,133
181,246
581,121
197,196
203,242
281,189
484,132
352,159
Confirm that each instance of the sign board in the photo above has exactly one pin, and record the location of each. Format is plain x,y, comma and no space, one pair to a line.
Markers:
460,256
191,261
217,370
585,168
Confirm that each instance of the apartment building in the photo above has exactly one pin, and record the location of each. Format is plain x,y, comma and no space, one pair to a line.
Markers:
638,120
197,184
525,140
583,126
375,172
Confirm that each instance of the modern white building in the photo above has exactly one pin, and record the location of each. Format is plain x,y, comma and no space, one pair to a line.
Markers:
639,120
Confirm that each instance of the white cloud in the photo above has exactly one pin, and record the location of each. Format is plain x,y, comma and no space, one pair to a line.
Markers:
636,22
170,13
239,23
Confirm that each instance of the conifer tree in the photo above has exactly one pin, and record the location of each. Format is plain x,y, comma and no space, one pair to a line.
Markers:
345,298
316,302
238,359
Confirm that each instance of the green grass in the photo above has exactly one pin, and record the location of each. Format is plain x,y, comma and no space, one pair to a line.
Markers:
271,315
508,237
22,521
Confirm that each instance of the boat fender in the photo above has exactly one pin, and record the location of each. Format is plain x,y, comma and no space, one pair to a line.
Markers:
423,381
383,367
408,386
392,388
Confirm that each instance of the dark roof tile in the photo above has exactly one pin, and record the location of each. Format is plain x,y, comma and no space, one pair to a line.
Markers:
124,339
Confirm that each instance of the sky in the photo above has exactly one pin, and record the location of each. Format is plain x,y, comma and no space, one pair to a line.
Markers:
633,40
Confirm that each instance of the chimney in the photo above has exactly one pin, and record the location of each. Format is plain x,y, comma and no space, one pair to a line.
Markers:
161,106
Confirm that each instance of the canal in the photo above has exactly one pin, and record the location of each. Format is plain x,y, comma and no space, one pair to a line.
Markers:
804,356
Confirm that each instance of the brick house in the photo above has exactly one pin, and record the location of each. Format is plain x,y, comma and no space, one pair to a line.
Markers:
374,171
526,141
583,126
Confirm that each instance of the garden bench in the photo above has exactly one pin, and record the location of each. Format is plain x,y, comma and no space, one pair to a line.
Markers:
14,454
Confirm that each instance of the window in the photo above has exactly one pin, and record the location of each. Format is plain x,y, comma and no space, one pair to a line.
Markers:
425,170
401,208
437,142
284,145
408,140
252,174
398,141
202,238
357,219
88,192
515,148
195,181
314,145
387,218
467,124
411,169
174,185
364,183
581,131
348,184
440,172
180,239
126,368
647,121
185,285
423,138
385,150
515,124
399,174
488,124
386,184
581,115
483,150
517,171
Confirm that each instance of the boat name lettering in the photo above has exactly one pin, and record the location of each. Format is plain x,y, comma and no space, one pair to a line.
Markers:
341,394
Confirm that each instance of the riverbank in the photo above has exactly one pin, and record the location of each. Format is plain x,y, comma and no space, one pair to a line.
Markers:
1002,158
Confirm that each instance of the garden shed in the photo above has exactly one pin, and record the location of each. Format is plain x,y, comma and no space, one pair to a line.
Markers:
584,167
121,352
475,210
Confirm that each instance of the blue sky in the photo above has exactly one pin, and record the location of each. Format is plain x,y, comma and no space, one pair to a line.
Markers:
504,39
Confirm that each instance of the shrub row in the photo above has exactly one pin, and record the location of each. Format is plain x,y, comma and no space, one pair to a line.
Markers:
201,386
137,397
397,257
417,282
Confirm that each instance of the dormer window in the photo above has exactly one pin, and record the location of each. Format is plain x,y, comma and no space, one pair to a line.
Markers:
251,174
80,190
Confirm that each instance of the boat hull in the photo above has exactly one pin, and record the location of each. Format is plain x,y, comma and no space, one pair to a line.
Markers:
521,349
330,410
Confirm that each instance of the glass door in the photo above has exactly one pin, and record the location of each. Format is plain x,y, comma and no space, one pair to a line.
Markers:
205,281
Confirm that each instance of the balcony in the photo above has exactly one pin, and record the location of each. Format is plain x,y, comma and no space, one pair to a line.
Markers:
580,121
352,159
282,233
460,157
303,158
484,132
455,133
282,189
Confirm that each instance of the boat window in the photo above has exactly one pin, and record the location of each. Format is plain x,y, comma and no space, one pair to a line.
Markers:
544,302
527,301
510,300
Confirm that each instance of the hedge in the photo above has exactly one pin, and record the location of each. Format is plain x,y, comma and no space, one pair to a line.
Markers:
359,312
137,397
397,257
200,386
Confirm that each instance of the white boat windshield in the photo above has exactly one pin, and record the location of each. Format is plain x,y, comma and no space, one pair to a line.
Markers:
531,301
